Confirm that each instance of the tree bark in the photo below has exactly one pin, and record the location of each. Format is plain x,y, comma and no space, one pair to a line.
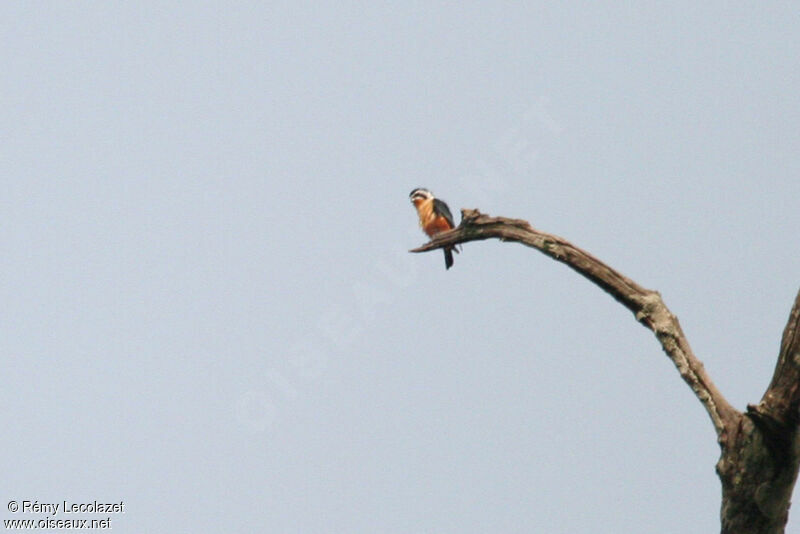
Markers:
760,448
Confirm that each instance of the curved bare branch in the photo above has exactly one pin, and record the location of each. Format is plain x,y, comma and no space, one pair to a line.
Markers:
646,305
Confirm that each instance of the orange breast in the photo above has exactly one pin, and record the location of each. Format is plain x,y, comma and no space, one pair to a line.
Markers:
436,225
430,222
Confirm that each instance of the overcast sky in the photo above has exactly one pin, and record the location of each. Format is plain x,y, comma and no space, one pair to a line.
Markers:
208,308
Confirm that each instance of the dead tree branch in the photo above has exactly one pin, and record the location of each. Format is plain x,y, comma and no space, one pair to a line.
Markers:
780,404
646,305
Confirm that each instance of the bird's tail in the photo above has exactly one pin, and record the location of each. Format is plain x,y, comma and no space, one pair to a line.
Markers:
448,257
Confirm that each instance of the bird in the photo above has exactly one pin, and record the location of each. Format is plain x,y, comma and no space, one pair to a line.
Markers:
434,218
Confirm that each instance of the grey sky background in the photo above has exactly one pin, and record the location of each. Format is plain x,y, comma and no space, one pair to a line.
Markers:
209,312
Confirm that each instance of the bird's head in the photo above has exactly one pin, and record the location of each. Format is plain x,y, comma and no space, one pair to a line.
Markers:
420,195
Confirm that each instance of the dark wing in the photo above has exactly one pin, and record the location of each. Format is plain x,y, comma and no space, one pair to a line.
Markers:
440,208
